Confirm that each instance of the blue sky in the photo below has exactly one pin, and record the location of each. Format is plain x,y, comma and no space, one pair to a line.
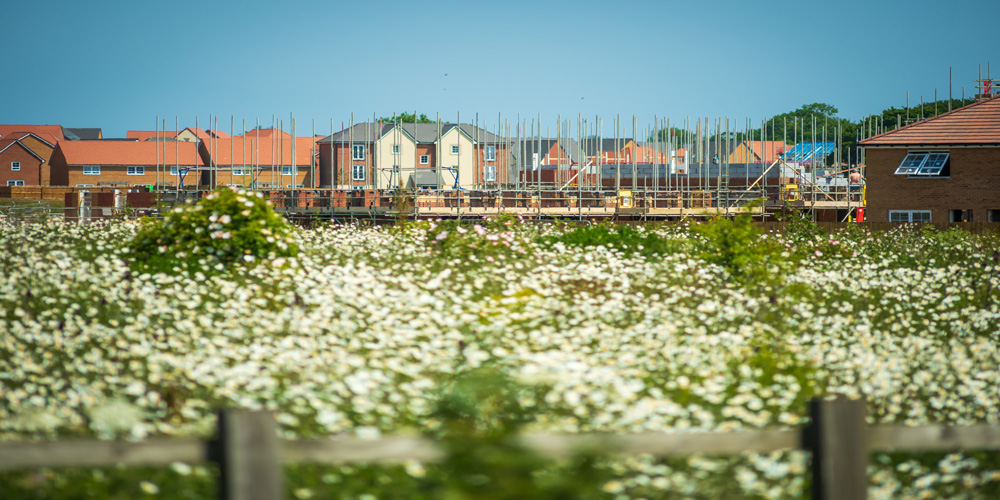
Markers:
118,65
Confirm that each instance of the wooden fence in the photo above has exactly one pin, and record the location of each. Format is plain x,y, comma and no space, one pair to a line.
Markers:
249,453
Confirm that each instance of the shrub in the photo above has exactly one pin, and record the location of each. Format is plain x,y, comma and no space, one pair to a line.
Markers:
626,239
736,245
226,228
481,414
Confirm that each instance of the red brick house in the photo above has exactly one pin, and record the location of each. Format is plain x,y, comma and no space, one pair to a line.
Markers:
25,152
264,162
124,163
24,160
942,169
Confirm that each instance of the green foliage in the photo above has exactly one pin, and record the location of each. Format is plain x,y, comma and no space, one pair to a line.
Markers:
628,240
463,245
736,245
481,415
405,117
227,228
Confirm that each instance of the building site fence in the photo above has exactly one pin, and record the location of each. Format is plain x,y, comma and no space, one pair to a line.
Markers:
249,453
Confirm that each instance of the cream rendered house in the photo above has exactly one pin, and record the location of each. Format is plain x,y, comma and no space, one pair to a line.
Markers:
457,159
395,158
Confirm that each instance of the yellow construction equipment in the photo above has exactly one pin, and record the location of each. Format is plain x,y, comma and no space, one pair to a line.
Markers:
624,199
790,192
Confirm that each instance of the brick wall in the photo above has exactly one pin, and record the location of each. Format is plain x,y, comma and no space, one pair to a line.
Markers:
119,174
31,169
974,184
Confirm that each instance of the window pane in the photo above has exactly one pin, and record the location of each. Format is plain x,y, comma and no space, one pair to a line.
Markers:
898,216
920,216
911,164
934,164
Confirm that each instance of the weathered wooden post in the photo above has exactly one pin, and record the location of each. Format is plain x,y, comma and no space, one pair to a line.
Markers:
248,454
836,438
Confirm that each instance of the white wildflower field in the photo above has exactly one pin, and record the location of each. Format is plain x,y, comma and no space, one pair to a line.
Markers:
357,333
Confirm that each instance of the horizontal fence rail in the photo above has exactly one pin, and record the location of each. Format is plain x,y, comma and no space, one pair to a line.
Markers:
250,454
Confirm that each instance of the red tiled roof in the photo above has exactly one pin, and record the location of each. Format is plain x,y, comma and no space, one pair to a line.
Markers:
267,132
246,150
977,123
199,133
143,135
43,131
771,149
129,153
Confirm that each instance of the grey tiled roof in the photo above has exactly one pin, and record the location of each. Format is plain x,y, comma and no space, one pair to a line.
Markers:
424,133
81,134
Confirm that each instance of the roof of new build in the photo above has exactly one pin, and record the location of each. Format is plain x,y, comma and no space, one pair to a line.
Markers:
145,135
82,134
767,150
247,150
423,133
129,152
977,123
50,133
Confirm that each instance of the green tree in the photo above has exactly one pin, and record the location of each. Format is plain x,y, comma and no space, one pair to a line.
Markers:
405,117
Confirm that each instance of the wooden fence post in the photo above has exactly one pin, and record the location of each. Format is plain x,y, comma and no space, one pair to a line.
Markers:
836,438
247,451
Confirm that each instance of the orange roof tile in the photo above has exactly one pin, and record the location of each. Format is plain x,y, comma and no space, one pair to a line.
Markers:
143,135
130,153
769,150
267,132
246,150
53,131
977,123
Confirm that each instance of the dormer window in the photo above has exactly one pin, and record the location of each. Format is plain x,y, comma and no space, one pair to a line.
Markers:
924,164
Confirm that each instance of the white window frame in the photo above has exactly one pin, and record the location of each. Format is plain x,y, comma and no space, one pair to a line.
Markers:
357,172
91,170
490,174
84,185
358,152
454,149
395,149
135,170
425,159
15,183
173,170
287,171
909,216
238,172
491,153
923,163
15,166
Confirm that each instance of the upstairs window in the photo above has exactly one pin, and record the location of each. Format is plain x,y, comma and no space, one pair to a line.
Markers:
358,172
491,153
15,166
286,170
454,150
91,170
395,149
136,170
358,152
924,164
425,159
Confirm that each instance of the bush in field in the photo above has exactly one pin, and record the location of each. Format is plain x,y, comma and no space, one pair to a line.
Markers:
480,416
626,239
736,245
228,227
